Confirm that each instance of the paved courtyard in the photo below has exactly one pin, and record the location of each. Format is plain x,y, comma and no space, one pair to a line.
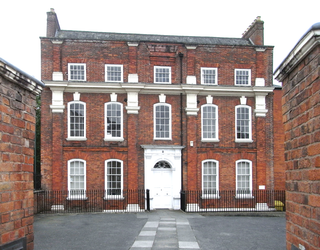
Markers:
159,230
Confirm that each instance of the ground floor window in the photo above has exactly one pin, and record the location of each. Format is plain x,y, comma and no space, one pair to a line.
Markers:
210,178
76,179
244,177
113,178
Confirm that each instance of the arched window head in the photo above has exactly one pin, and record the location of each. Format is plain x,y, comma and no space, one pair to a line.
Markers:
162,164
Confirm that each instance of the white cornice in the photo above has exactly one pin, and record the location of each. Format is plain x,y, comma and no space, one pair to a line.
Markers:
143,88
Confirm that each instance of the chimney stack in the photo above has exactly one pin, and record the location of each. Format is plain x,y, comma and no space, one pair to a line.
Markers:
255,32
52,23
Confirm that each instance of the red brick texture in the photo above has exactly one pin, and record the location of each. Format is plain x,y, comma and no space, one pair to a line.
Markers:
17,134
184,61
138,128
300,106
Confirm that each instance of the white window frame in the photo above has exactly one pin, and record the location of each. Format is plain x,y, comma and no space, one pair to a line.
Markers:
107,73
113,196
70,76
249,124
107,136
155,122
216,124
249,194
204,194
155,76
71,194
242,70
72,137
203,79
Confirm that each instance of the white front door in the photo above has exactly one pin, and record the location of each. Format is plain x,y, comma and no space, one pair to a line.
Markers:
162,175
162,190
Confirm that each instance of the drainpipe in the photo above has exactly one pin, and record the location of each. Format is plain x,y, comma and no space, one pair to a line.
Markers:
181,122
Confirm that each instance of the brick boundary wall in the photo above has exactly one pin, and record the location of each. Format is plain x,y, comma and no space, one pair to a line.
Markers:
299,74
17,133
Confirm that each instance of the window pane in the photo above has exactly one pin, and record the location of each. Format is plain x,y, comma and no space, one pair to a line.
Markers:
114,73
77,72
76,119
243,177
113,119
114,178
242,77
162,75
208,76
76,175
162,121
209,128
209,177
243,123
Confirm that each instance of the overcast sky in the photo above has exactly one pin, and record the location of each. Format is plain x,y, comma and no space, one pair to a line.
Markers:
22,22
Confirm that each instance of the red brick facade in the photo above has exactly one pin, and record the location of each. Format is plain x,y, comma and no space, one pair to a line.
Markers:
17,134
138,54
300,75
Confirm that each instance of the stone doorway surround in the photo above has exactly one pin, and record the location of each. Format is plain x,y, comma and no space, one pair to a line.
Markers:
172,155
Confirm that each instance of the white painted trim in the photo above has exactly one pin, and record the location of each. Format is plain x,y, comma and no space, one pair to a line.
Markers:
143,88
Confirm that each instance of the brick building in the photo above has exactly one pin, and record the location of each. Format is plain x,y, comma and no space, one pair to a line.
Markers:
18,93
300,76
157,112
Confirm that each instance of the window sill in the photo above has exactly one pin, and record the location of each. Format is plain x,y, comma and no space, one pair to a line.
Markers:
77,197
244,141
76,139
244,196
210,196
113,139
210,140
210,84
113,197
162,139
162,82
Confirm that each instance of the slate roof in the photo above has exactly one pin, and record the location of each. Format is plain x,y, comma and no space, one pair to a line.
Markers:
191,40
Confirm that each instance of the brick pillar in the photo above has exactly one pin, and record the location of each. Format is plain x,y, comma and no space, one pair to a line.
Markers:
133,74
57,160
132,152
191,62
57,56
261,151
191,182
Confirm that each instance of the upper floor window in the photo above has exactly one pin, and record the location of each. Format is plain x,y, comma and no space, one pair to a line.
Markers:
113,178
76,120
242,77
162,121
77,72
209,76
243,123
77,179
244,178
209,122
162,74
113,121
210,178
114,73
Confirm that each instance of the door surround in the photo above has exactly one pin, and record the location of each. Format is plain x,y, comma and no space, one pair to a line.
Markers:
170,154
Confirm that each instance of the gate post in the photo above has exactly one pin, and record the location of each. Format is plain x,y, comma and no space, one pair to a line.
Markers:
148,199
183,200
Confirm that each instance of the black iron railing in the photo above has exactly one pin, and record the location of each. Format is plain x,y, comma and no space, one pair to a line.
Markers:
57,201
53,201
233,201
